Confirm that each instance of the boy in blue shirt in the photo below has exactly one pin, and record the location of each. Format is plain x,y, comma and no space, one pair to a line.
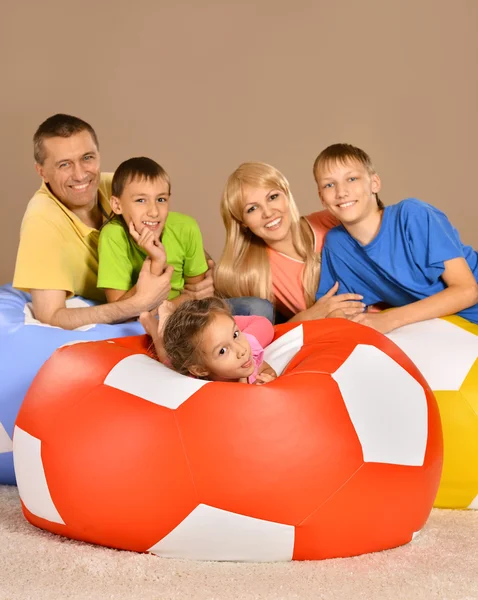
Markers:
407,255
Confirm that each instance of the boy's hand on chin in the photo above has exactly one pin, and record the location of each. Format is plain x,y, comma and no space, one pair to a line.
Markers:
147,241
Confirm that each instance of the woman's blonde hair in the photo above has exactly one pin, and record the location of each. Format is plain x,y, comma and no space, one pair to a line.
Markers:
244,268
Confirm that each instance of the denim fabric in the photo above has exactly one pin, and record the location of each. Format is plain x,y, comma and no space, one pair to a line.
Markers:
250,305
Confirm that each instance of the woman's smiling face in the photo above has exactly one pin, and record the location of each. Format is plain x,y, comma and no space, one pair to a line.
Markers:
266,213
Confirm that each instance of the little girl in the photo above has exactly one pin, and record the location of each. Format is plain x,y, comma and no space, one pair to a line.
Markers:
202,339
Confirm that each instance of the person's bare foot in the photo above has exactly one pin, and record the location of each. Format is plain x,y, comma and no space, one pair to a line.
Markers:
149,323
165,310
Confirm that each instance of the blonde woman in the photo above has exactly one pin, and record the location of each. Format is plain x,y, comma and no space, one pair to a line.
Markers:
273,253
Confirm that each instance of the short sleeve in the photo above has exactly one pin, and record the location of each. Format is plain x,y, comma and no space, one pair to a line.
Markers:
41,259
432,237
260,327
328,276
115,269
195,260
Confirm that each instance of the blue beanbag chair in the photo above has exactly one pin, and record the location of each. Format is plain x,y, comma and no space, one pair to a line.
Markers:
25,344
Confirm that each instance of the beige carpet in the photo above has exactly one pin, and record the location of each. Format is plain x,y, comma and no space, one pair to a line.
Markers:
442,562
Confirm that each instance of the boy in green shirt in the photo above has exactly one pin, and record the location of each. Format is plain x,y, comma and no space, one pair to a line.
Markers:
143,227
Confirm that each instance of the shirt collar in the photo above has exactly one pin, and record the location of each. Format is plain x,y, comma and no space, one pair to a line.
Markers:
81,227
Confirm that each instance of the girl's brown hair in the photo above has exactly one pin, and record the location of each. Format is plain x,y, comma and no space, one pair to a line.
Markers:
182,332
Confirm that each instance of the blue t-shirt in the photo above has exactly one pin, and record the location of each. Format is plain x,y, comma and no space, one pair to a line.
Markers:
403,263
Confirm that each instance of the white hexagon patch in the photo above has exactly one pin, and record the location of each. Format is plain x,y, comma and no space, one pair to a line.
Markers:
31,479
442,351
209,533
6,444
387,407
152,381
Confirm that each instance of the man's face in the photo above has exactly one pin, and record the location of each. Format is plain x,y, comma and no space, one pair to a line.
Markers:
72,169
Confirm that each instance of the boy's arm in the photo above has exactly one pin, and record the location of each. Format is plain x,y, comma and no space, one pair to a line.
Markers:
49,306
196,260
185,294
115,295
461,292
197,290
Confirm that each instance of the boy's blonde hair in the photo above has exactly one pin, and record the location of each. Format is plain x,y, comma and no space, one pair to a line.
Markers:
244,268
344,153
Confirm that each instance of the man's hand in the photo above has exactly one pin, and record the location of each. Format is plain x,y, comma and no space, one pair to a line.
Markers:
153,247
49,305
204,288
330,303
151,289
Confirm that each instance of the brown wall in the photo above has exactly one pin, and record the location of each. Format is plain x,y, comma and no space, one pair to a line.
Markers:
203,86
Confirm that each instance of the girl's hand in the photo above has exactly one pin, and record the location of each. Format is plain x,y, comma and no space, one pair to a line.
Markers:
147,241
264,378
266,374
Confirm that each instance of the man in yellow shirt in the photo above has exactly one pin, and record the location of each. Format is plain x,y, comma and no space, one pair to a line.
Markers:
57,255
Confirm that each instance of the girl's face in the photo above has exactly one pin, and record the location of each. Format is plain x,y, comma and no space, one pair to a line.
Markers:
266,213
226,352
145,203
348,191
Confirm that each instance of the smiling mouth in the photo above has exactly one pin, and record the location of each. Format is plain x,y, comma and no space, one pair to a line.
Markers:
80,188
347,204
152,225
274,224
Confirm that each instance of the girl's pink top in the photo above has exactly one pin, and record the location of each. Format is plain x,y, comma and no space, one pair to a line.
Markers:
259,333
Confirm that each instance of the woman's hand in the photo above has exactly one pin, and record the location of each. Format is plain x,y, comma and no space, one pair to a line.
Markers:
330,303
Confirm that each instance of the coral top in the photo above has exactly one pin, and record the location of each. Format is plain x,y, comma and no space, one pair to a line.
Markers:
287,272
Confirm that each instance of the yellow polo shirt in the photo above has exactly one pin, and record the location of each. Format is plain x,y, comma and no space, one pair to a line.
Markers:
57,251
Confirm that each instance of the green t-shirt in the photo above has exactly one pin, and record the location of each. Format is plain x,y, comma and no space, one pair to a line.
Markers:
121,259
